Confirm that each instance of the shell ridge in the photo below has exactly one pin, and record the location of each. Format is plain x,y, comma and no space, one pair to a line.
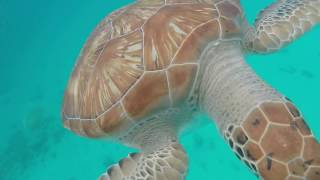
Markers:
186,38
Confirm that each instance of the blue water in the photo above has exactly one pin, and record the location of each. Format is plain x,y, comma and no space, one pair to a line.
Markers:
39,43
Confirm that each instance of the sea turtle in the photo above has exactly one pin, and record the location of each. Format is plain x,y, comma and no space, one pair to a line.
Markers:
149,67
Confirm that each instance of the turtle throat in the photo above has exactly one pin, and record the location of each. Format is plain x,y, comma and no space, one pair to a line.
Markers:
229,88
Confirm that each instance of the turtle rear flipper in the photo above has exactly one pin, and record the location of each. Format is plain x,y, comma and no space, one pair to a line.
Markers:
281,23
167,161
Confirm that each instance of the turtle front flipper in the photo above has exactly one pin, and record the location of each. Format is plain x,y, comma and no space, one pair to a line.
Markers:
281,23
168,161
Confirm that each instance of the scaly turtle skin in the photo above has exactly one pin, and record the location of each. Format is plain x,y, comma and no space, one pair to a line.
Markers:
148,68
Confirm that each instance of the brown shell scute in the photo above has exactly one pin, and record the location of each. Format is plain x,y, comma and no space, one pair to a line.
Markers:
114,119
134,17
119,66
149,94
85,65
192,47
176,22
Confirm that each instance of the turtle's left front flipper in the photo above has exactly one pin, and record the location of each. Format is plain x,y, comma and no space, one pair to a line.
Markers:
281,23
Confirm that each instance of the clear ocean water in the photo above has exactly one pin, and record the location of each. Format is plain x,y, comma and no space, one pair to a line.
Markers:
39,43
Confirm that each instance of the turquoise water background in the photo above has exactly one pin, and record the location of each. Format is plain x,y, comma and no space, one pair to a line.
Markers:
39,43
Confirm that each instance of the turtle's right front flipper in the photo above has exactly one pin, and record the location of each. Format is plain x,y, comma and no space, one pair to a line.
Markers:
281,23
